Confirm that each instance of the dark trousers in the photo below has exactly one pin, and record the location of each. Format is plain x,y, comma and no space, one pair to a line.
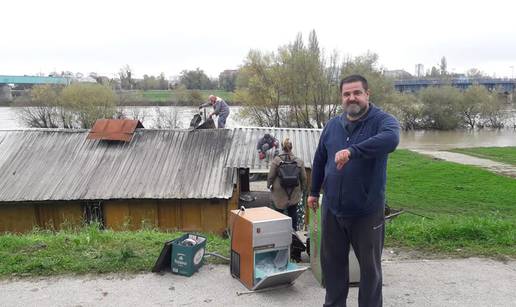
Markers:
292,212
366,236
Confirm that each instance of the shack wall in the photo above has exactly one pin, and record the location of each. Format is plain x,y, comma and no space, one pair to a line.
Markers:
183,215
23,217
202,215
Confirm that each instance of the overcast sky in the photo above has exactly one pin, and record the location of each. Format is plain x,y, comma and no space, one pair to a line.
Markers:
170,36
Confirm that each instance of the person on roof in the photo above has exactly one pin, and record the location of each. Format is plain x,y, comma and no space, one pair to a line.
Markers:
266,143
220,108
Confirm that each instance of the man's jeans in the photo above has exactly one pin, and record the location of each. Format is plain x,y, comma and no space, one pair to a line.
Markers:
366,235
221,121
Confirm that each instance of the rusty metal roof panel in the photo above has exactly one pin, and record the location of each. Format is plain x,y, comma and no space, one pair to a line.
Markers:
244,154
114,129
39,165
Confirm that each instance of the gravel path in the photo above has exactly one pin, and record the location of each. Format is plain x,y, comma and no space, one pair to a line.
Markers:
497,167
407,282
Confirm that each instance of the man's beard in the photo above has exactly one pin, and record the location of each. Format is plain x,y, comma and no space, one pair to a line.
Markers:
355,110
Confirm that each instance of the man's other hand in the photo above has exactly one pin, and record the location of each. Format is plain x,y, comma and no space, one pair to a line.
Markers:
313,202
341,158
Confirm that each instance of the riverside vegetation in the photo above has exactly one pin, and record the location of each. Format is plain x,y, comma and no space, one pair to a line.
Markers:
472,211
79,105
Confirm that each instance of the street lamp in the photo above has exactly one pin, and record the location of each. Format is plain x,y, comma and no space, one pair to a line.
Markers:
512,71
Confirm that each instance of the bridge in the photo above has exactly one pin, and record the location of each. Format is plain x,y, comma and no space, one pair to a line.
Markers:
5,90
33,80
506,86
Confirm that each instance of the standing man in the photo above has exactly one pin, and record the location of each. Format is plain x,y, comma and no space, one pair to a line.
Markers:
220,108
350,166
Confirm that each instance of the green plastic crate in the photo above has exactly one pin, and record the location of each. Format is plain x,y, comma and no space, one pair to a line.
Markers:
186,260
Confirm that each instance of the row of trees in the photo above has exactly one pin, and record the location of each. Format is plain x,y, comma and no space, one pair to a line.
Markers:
190,79
79,105
448,108
298,86
127,82
198,80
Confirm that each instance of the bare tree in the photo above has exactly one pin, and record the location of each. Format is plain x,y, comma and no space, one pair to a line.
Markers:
42,110
295,87
126,77
166,118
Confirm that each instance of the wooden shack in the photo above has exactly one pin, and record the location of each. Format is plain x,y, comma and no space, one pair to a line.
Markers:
127,177
170,179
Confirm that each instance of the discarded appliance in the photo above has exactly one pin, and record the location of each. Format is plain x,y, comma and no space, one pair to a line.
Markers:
183,256
201,122
260,248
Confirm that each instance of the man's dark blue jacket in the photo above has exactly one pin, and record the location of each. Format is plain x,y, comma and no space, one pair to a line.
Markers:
359,187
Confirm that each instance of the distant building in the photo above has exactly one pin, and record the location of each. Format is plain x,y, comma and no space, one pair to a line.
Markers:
84,79
397,74
420,71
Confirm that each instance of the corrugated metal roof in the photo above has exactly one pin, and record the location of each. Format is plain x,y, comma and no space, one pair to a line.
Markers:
114,129
243,152
46,164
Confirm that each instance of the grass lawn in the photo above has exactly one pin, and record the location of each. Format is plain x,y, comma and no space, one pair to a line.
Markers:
500,154
473,213
158,96
89,250
473,210
163,96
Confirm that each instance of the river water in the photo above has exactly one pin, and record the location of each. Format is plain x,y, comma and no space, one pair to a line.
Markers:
430,140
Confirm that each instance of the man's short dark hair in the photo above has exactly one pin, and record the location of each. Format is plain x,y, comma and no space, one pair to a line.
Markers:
354,78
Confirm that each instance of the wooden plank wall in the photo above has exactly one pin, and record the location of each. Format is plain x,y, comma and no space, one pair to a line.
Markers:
24,217
59,215
17,217
182,215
